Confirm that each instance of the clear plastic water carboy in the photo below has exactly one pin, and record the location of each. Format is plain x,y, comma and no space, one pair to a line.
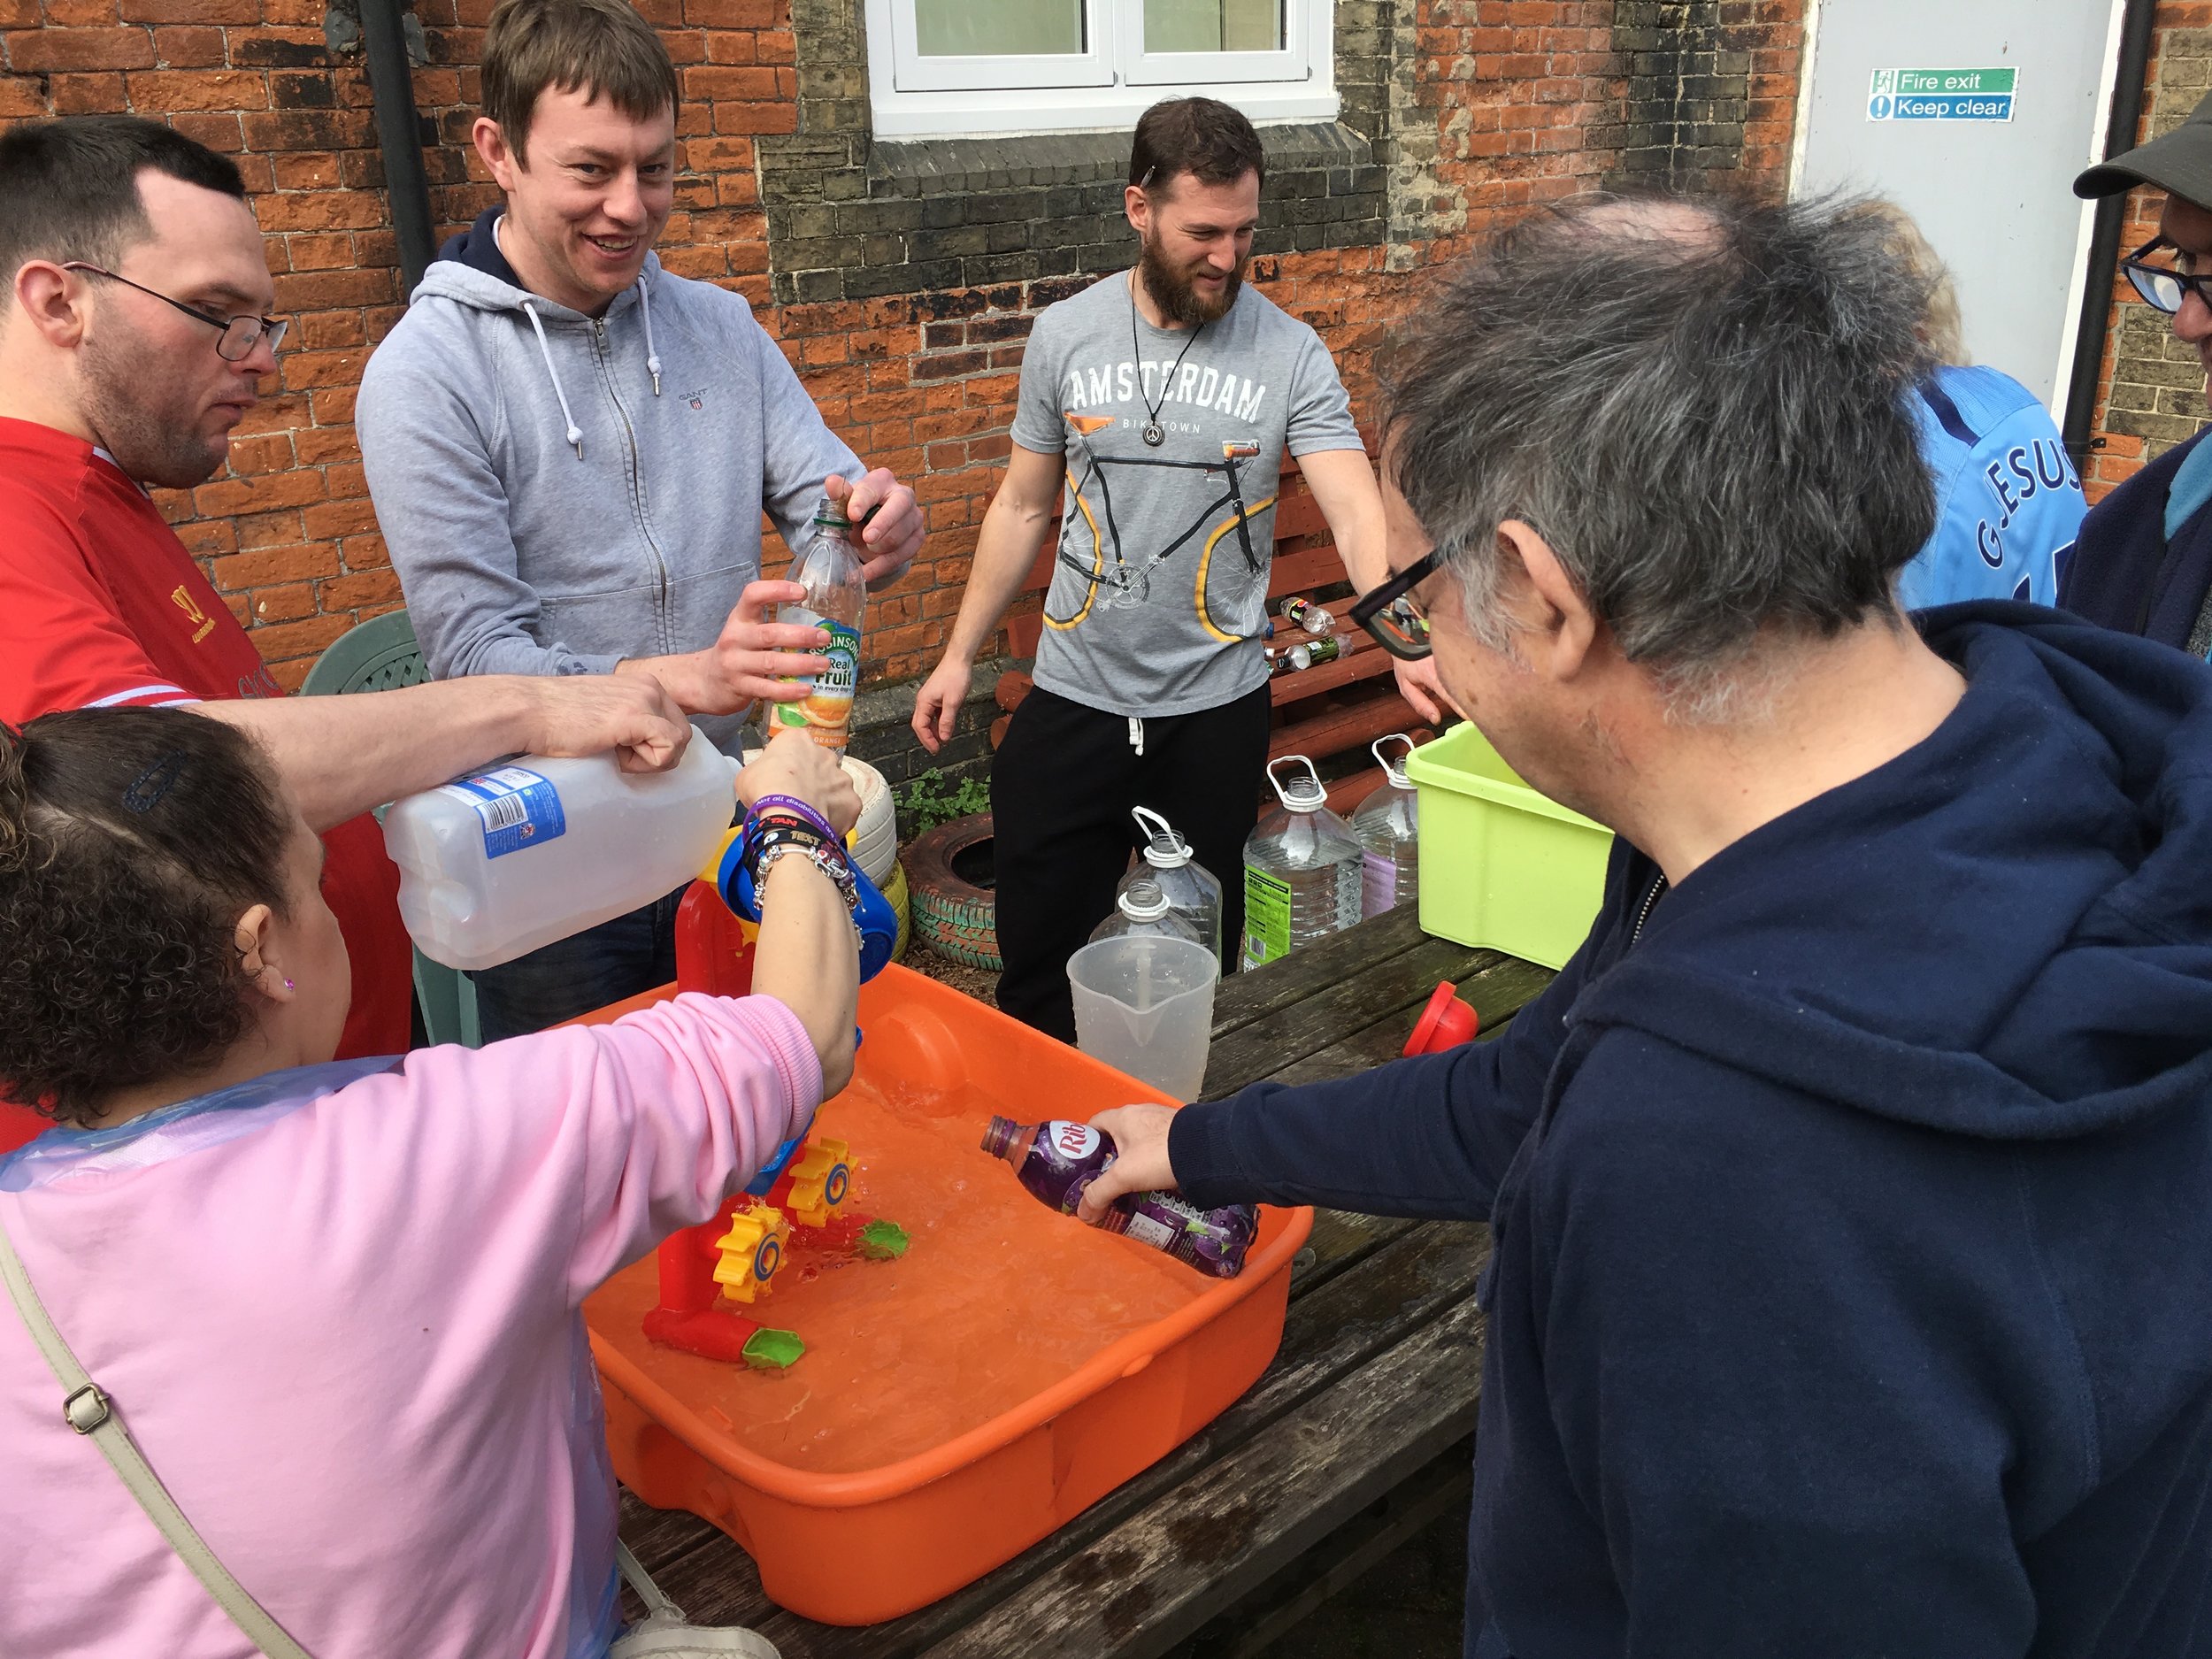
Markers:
1387,824
1302,869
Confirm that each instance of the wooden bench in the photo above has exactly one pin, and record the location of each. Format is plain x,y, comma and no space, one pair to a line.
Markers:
1321,711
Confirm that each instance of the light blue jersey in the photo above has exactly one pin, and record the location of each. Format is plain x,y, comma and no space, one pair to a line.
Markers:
2009,501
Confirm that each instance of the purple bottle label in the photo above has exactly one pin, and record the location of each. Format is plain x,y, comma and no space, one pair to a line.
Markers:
1066,1157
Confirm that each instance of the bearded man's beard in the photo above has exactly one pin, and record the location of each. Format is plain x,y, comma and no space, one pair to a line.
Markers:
1172,292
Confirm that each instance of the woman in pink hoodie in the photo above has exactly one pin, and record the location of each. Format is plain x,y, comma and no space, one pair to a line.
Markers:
336,1303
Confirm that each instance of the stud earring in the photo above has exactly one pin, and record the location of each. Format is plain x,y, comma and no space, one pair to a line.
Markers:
288,984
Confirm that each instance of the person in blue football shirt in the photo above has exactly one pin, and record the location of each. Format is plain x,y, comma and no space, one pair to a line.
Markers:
2008,501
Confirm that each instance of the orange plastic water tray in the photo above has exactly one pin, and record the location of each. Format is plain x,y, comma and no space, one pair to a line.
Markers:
960,1403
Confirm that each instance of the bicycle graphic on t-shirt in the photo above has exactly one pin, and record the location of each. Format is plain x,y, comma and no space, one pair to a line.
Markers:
1126,583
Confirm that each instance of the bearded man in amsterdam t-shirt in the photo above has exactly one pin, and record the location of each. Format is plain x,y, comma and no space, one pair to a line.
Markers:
1162,400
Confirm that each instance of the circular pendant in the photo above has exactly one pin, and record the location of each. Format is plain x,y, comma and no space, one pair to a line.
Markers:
1154,434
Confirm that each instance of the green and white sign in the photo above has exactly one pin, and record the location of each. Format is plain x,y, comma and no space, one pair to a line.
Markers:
1942,94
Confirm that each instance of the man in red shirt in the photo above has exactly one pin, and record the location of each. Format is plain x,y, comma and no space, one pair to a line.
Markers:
132,339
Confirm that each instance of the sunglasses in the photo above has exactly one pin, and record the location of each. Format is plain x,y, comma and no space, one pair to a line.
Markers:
1390,616
240,334
2162,286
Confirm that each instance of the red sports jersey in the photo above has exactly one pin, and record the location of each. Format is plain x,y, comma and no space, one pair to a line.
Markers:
102,607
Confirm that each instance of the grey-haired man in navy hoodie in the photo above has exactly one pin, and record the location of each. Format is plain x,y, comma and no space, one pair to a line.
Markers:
1852,1293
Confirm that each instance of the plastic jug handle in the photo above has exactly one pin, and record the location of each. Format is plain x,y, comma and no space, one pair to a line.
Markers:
1394,769
1313,774
1157,830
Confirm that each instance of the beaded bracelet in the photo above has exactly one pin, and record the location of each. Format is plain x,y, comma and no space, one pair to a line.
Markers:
821,855
764,848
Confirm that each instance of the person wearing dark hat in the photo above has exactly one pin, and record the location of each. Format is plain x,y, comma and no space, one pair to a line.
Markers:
2143,562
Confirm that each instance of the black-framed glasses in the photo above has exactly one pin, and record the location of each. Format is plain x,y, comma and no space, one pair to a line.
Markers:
240,334
1390,616
2162,286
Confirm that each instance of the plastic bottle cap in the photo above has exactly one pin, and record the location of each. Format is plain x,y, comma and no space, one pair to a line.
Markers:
1446,1023
1173,857
1143,902
827,511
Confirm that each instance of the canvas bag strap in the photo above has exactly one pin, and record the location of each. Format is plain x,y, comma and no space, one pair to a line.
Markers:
92,1414
656,1604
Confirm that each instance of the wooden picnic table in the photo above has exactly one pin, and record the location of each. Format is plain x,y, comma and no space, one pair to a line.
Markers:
1352,1440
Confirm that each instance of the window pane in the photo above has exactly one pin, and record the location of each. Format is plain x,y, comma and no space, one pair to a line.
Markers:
1213,25
979,28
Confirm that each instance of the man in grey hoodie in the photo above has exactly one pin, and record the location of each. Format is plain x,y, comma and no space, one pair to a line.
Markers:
570,448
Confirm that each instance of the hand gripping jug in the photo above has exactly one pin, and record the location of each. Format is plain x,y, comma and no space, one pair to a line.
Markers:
1303,870
505,860
1191,888
1387,825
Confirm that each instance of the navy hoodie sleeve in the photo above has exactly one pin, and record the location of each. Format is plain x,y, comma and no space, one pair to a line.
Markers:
1427,1138
1772,1341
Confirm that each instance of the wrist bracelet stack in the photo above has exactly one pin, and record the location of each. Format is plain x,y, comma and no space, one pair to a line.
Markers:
780,826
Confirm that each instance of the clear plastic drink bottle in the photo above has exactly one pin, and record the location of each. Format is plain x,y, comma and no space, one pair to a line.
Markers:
1387,824
1056,1162
836,598
1191,888
1303,870
1303,613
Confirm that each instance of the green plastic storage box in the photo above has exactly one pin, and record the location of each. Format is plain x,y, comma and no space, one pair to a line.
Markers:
1502,867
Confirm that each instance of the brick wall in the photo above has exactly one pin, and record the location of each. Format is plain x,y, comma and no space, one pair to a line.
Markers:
2153,392
1455,112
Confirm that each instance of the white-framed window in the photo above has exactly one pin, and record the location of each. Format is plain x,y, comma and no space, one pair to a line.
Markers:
977,67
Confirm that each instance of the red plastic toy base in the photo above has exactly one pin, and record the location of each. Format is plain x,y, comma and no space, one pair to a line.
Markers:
710,1333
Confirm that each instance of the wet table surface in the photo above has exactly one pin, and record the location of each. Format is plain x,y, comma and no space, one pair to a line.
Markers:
1352,1440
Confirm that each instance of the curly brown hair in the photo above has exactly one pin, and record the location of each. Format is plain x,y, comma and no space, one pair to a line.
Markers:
131,840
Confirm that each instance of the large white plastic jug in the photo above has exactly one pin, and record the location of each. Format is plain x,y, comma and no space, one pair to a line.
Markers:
1145,1005
515,856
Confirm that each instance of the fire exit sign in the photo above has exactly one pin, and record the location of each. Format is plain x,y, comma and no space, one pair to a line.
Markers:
1942,94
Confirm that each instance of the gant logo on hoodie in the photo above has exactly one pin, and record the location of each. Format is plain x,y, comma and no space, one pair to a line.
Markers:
697,398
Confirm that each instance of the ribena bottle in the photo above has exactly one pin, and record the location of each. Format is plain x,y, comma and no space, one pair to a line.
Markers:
1056,1162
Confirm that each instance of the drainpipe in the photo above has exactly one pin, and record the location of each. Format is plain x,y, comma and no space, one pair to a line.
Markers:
399,134
2104,236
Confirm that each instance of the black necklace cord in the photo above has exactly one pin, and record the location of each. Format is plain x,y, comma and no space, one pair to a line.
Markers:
1154,434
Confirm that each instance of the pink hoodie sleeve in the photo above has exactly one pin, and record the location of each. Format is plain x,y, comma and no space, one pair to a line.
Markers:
593,1143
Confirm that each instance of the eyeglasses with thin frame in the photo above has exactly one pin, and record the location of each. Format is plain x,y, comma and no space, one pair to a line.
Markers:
2162,286
1390,614
240,334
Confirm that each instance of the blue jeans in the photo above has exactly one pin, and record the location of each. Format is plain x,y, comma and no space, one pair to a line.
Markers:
573,976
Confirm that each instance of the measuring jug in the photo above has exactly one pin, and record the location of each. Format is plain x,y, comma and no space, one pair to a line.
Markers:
1145,1005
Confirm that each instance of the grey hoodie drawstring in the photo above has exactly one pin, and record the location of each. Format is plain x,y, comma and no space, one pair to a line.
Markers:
652,357
575,432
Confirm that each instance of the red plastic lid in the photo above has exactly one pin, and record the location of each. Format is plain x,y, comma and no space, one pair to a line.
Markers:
1446,1023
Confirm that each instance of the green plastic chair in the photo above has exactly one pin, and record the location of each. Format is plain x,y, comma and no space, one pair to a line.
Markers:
381,654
